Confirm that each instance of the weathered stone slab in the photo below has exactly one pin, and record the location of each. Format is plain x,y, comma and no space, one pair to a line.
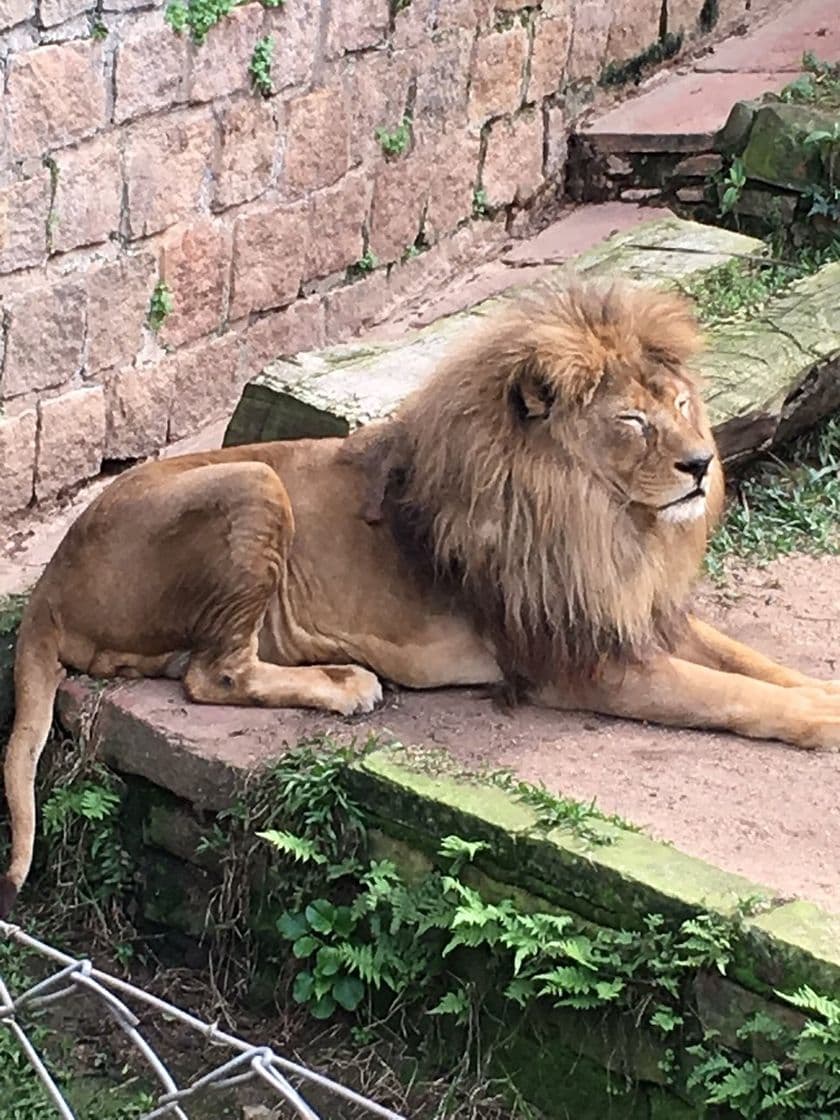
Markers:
777,152
766,377
329,392
776,374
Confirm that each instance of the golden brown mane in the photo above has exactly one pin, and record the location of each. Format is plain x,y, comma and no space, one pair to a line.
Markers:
556,570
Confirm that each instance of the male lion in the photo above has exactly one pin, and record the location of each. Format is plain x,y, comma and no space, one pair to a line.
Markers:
535,515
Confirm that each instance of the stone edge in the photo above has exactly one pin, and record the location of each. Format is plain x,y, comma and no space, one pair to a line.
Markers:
785,943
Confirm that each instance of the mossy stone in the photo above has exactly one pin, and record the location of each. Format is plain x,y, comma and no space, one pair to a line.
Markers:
777,153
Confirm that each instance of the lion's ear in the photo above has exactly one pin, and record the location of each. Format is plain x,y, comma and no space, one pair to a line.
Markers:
529,391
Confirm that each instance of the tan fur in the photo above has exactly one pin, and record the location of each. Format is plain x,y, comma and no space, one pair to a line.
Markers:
536,514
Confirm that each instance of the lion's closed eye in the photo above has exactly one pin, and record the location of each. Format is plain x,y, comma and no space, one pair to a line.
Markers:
682,404
636,420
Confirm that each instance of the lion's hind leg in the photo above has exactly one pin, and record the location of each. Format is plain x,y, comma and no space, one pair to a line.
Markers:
250,567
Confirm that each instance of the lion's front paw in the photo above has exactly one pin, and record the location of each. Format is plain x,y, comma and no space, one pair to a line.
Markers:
818,719
356,690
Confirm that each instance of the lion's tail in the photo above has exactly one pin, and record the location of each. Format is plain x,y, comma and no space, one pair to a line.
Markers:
38,673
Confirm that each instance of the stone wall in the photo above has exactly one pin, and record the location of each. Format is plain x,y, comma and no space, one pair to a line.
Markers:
131,156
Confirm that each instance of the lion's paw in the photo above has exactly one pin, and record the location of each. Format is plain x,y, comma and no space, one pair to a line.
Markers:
357,690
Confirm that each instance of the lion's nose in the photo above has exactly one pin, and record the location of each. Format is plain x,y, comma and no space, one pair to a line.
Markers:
695,465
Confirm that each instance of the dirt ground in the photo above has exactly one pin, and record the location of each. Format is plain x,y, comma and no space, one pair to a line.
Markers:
759,809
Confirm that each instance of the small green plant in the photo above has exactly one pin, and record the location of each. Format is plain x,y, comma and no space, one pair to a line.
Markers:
399,6
788,501
395,142
260,66
160,305
741,287
197,16
480,206
80,823
825,195
564,813
98,29
818,84
365,264
735,181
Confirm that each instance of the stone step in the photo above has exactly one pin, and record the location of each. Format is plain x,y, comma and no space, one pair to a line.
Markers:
651,143
766,377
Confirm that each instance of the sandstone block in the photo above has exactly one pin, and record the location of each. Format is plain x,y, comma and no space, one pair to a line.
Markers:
166,162
17,460
357,305
15,11
45,338
151,67
634,27
88,193
427,272
466,14
269,255
71,439
295,29
356,24
317,149
52,12
195,262
118,297
454,160
413,24
513,162
683,15
556,144
206,384
497,73
220,64
443,76
248,149
24,209
552,38
376,86
588,52
137,405
336,224
55,95
399,198
297,328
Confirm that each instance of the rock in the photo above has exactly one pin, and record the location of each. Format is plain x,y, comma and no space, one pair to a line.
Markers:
777,153
733,136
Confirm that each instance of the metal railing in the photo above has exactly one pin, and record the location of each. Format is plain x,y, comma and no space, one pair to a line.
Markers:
254,1065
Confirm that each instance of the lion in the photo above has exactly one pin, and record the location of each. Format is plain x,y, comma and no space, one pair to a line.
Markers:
534,517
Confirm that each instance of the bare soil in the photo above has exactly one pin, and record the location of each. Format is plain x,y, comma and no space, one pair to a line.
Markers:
760,809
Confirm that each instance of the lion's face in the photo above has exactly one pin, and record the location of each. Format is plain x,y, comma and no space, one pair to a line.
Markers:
649,439
604,379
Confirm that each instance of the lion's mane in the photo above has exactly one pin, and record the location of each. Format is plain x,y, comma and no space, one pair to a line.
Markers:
557,572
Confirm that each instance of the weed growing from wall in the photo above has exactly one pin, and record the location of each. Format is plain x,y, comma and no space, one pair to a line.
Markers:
395,142
364,265
160,305
260,66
